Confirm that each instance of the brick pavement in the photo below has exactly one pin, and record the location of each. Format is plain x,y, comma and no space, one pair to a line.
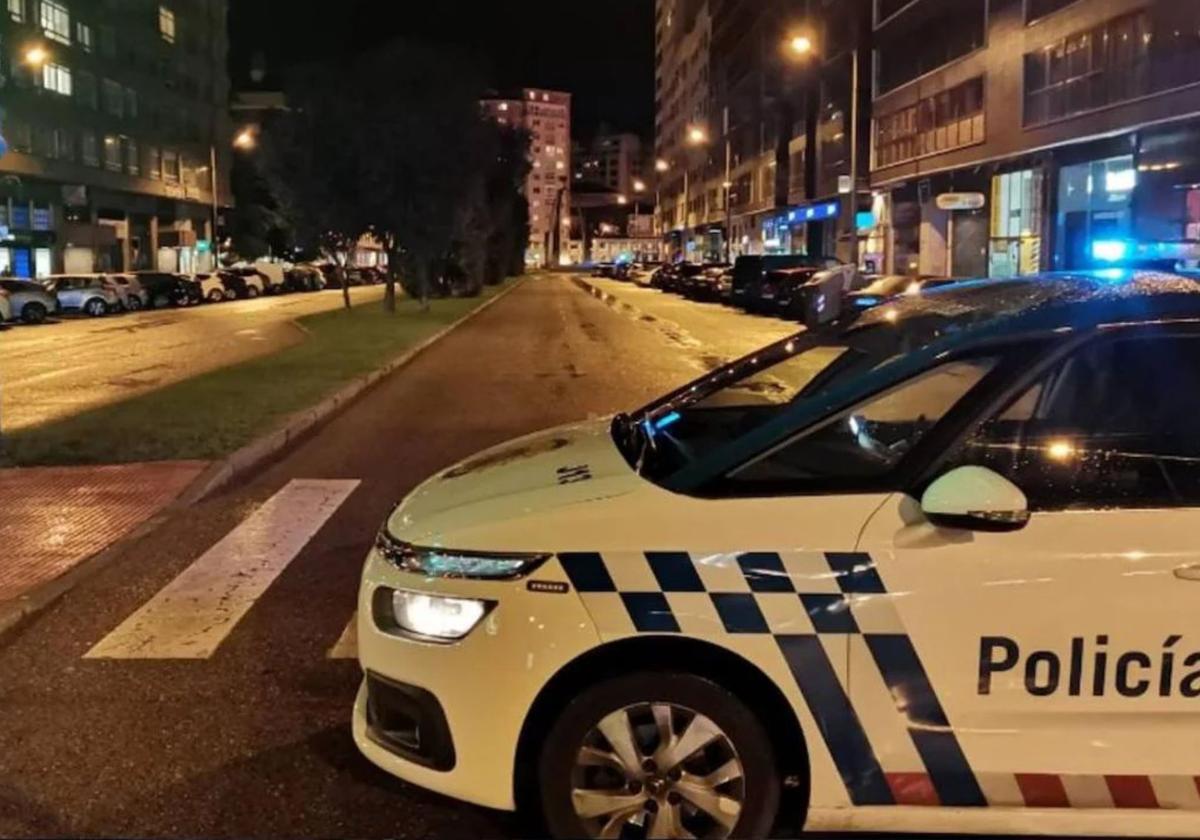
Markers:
52,518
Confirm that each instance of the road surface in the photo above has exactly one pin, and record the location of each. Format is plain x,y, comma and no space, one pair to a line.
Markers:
243,731
57,369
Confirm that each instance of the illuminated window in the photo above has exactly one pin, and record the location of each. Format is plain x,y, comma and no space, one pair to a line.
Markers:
153,163
57,78
112,153
16,10
56,21
83,36
166,24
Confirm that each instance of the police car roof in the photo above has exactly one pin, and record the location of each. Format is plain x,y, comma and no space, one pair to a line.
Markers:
1046,301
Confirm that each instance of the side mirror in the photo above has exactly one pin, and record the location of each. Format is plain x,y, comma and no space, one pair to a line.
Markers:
976,499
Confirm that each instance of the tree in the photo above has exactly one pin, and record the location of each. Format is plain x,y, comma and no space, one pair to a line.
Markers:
308,157
258,225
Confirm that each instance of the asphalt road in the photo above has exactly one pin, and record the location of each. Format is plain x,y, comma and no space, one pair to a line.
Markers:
60,368
252,740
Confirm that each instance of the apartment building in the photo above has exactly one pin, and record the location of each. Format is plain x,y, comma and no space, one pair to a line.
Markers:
613,161
1012,136
115,117
546,115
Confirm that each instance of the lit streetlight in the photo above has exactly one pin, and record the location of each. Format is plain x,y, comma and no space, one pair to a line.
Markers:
800,45
622,200
244,139
36,56
661,165
639,186
697,136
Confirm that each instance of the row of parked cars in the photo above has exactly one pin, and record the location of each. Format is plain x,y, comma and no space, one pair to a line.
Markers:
810,289
95,295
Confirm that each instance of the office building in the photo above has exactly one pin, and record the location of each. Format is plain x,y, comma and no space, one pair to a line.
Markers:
1035,135
546,116
613,161
114,115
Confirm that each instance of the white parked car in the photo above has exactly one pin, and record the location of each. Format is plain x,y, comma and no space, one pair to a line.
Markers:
90,294
273,275
131,297
212,288
934,572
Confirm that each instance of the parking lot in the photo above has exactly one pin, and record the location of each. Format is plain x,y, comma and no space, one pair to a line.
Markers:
74,362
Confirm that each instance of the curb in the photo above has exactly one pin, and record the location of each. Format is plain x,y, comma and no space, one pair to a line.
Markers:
304,422
220,473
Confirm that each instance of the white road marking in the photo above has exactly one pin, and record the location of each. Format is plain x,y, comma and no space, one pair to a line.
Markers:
194,613
346,647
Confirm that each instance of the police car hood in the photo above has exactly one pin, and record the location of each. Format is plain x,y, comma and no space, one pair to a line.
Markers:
551,470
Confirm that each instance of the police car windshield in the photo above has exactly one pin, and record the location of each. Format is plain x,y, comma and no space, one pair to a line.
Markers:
735,400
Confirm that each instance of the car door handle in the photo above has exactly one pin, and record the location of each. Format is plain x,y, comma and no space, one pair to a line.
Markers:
1191,573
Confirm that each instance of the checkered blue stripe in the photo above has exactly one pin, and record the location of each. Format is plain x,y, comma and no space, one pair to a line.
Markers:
761,598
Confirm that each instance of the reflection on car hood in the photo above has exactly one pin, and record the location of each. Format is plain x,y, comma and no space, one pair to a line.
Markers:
557,468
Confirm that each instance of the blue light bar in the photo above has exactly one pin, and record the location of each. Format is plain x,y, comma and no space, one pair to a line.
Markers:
667,420
1110,250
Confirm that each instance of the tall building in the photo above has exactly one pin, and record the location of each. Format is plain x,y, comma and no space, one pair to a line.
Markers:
613,161
546,115
1046,134
114,114
752,137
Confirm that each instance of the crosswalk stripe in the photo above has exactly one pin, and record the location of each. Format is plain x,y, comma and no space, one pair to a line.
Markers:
194,613
346,647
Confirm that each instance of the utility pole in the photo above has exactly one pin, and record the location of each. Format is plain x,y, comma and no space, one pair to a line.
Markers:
728,184
852,216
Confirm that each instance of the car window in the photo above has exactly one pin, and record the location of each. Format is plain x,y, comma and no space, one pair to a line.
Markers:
871,439
1114,425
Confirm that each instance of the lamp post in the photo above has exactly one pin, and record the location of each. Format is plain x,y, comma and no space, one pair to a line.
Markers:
660,167
696,136
800,46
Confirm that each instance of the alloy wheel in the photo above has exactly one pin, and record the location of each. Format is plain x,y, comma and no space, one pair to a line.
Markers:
657,770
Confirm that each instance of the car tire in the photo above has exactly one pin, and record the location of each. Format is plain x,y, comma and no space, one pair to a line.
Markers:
34,313
216,296
134,304
252,292
95,308
634,704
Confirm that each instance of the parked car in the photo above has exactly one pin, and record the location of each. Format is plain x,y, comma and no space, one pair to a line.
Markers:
329,273
678,279
256,281
703,286
212,288
821,299
643,273
6,310
166,289
664,277
86,293
604,269
129,291
273,276
366,275
234,283
302,278
749,273
29,301
880,289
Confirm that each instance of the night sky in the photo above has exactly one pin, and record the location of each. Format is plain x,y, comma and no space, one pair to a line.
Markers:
603,52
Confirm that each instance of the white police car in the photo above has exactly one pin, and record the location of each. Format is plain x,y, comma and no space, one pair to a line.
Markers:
935,571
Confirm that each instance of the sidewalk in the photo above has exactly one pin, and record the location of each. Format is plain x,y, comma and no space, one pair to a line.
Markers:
715,332
52,518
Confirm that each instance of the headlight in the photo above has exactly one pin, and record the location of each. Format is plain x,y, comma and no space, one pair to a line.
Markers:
430,617
449,563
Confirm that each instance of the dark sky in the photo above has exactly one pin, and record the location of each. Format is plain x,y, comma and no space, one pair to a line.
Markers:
602,51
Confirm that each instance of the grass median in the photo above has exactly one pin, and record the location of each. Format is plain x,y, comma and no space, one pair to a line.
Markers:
212,415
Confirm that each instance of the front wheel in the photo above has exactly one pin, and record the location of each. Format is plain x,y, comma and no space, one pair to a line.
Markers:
95,308
252,292
34,313
216,296
134,304
658,755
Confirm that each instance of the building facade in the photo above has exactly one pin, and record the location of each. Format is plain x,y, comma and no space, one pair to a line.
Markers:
114,114
546,116
754,137
613,161
1035,134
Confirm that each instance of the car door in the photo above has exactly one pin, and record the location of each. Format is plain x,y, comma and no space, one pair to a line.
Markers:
1057,665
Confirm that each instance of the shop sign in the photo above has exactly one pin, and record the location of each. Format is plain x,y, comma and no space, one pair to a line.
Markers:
961,201
815,212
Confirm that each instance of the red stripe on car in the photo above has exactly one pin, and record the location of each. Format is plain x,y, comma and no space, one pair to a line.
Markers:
1132,791
1043,790
912,788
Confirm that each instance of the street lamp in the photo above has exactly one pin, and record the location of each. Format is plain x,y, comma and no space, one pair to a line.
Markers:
36,56
697,136
801,47
245,140
639,186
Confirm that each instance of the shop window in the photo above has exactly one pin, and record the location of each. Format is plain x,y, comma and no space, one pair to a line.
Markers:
42,262
42,219
1094,205
1016,224
20,217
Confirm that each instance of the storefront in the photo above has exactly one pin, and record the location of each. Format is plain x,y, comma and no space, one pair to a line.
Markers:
1015,243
